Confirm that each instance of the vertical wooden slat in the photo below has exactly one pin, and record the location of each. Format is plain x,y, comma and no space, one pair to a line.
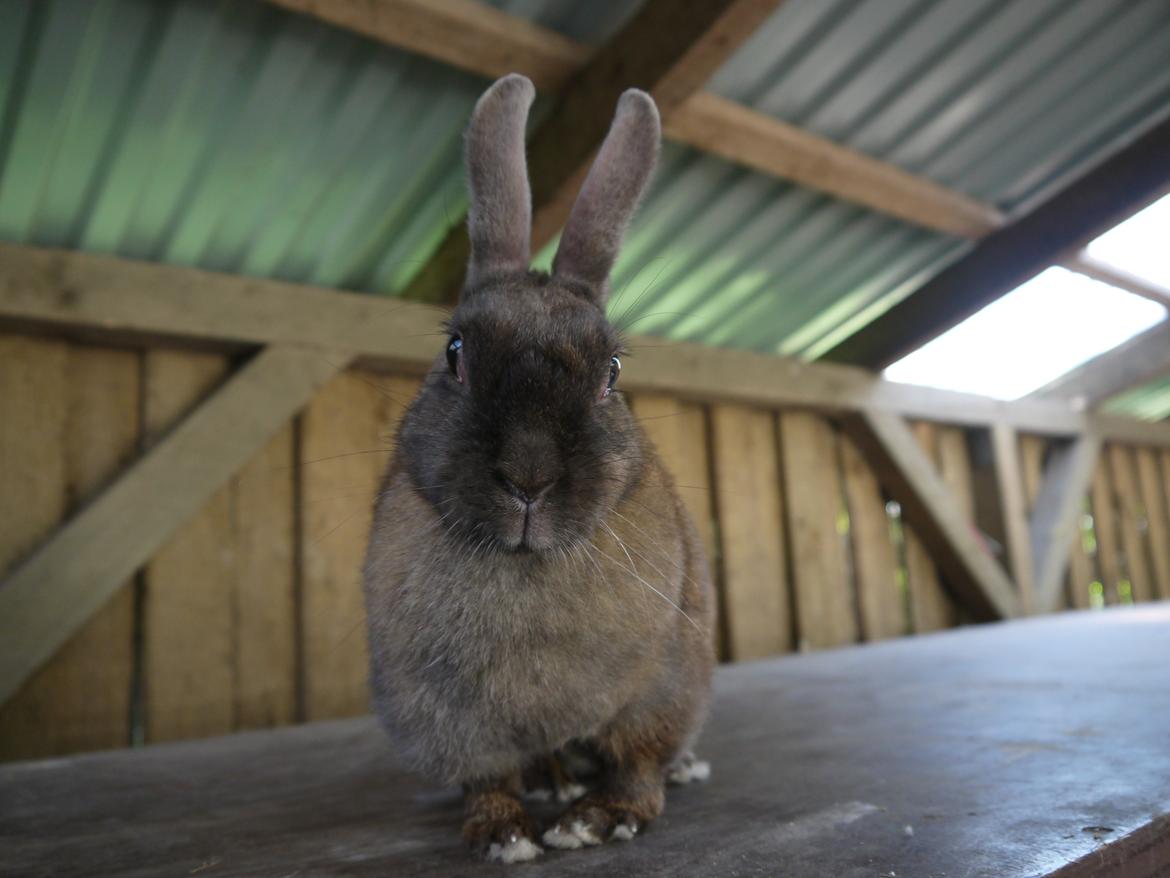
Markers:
1121,468
824,602
264,598
954,464
1032,450
33,391
1105,530
747,493
1032,467
930,608
1010,478
80,700
678,430
875,563
953,458
1080,574
1153,496
188,636
345,446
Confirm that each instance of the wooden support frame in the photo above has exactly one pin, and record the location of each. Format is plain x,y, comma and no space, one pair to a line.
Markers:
669,49
54,591
481,39
1009,476
910,477
484,40
113,298
1055,521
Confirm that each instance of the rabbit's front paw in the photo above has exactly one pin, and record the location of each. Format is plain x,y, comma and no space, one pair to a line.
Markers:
498,828
590,822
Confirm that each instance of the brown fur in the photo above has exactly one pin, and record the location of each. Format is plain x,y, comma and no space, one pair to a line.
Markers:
533,582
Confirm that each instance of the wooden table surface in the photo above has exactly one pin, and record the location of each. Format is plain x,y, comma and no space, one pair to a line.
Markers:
1030,748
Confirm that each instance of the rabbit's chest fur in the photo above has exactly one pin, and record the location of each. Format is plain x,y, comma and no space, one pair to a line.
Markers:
479,663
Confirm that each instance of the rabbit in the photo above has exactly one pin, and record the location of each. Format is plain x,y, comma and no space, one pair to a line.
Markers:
533,583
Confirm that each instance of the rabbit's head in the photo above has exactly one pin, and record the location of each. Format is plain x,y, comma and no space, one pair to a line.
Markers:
518,439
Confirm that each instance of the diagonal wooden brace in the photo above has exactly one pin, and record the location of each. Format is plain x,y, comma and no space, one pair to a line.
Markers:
908,475
53,592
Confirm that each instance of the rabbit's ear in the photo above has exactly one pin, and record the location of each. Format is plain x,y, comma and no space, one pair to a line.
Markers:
593,234
499,219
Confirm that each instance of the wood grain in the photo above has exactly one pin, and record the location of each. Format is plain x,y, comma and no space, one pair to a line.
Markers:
907,473
820,763
480,39
264,592
1009,473
747,492
88,295
1129,509
930,607
825,609
34,377
764,143
875,562
679,432
1105,529
188,620
1154,501
80,700
667,48
346,444
57,588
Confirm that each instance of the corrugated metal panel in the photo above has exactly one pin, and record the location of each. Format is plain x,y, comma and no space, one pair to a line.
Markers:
1150,401
242,138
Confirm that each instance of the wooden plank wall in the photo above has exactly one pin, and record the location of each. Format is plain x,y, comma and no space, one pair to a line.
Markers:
251,615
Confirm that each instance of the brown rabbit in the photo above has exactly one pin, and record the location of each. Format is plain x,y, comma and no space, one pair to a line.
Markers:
533,583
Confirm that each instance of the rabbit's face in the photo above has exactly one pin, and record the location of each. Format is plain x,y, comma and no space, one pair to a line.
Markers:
520,441
516,440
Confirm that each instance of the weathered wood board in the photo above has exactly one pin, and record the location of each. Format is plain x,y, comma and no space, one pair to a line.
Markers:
754,571
1027,760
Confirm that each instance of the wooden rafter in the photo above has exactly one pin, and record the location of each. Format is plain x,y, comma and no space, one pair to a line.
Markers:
906,472
668,49
119,299
466,34
480,39
771,146
1006,258
53,592
1055,520
1143,358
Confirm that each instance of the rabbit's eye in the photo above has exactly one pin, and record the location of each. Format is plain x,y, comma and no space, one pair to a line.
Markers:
615,369
454,355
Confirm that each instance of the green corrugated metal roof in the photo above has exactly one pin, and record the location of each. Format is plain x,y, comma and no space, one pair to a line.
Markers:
239,137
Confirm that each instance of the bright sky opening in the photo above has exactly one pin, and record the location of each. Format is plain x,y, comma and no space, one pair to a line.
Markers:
1140,245
1031,336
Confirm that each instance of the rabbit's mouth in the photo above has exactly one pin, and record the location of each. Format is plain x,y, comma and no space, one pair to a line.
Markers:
528,527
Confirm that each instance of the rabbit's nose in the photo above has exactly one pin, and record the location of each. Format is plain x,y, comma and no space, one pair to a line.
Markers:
528,491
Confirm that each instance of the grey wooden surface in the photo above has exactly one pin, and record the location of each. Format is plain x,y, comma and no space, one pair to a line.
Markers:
1005,750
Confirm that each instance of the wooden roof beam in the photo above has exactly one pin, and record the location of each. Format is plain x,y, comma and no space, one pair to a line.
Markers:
1118,185
482,40
670,48
108,298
